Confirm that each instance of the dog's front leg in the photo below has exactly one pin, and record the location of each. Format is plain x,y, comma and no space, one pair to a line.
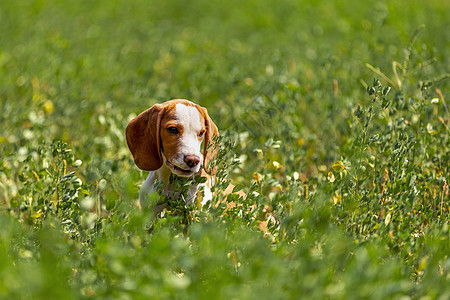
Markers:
147,188
191,194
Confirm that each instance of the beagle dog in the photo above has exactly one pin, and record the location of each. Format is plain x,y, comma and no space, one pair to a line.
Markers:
166,139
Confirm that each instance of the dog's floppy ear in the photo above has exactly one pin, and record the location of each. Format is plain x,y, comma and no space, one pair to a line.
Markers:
209,150
144,140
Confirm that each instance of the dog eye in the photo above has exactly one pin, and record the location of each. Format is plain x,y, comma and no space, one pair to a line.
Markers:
201,133
173,130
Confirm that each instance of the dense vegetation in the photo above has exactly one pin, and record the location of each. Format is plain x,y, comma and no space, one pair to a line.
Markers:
334,122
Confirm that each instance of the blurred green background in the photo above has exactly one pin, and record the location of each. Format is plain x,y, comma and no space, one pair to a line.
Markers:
113,59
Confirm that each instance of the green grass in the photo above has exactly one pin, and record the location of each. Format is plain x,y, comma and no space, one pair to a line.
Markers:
334,117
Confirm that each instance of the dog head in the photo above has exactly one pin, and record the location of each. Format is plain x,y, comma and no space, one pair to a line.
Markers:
171,133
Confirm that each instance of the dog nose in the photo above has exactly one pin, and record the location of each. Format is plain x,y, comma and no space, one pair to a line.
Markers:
192,160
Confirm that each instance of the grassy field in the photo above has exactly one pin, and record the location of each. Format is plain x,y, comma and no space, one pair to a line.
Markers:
334,119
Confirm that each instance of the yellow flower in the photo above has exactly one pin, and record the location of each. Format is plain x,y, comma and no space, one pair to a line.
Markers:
338,166
387,220
277,165
48,107
337,199
258,177
331,177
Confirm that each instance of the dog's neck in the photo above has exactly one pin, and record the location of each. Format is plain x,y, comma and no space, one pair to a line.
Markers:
162,177
165,176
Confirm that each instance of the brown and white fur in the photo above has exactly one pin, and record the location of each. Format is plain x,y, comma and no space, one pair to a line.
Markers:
166,139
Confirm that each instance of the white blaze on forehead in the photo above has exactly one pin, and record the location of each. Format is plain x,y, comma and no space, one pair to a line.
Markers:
189,117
